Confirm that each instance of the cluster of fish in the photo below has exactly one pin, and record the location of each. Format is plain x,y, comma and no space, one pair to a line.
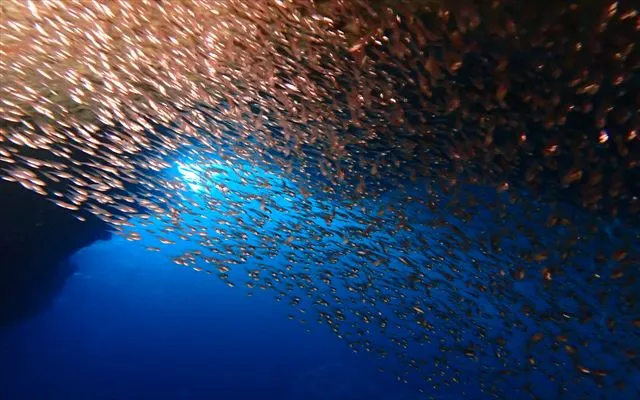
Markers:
453,184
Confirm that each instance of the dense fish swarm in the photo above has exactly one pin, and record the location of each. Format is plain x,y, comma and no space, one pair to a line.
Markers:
453,184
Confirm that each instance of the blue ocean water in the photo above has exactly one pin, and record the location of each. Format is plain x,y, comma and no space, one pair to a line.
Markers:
131,324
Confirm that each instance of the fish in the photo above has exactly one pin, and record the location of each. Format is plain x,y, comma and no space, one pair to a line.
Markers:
412,164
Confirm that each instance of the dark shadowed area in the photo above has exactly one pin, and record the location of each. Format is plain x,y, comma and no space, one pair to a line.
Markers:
36,239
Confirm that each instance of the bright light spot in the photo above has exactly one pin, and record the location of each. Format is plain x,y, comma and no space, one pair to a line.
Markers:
198,175
192,176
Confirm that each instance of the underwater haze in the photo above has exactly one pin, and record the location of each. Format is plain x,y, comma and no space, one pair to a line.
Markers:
131,324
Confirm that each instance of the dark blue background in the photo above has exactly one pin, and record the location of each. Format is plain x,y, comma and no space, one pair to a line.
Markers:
130,324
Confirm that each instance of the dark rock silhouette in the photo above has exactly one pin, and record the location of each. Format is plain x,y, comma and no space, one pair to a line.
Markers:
36,239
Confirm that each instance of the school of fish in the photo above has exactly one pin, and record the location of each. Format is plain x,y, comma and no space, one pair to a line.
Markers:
450,184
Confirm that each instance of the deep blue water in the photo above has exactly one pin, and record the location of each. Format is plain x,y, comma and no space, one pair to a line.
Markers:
129,324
